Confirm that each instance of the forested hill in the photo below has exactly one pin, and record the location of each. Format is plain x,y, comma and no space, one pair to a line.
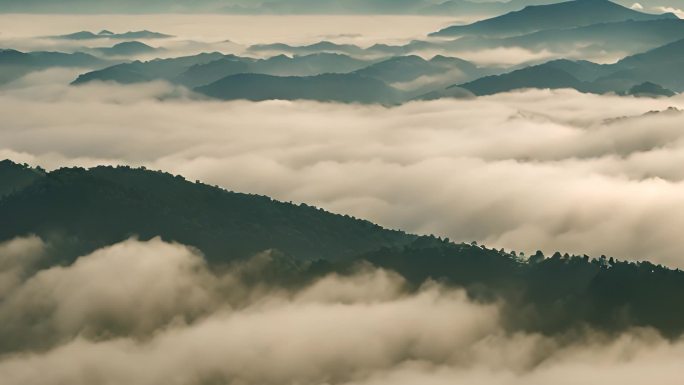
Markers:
554,294
79,210
76,211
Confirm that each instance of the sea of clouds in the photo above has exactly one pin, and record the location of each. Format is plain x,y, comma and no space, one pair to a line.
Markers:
549,170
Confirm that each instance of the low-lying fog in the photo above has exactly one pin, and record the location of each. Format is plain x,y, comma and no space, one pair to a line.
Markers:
150,313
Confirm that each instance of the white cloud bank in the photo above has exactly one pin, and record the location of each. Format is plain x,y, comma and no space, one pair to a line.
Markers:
148,313
537,169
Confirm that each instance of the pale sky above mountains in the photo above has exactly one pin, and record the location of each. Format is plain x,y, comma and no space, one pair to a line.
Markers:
278,6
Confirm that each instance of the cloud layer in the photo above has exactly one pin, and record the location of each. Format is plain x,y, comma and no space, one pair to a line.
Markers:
147,313
537,169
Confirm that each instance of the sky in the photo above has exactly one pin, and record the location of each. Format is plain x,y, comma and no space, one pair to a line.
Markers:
271,6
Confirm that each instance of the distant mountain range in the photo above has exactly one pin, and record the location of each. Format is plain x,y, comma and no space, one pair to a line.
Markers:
584,28
344,88
231,77
323,76
105,34
280,65
15,64
570,14
391,74
76,211
660,67
128,48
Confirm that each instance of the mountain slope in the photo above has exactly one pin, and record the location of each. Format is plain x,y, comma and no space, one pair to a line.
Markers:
346,88
407,68
127,48
541,76
553,295
322,46
281,65
76,211
15,177
619,37
206,68
662,66
79,210
656,72
15,64
137,71
570,14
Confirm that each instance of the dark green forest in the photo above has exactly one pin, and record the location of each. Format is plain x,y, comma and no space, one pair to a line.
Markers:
76,211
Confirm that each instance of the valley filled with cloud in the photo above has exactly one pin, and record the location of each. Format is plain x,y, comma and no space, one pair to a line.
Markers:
367,192
555,170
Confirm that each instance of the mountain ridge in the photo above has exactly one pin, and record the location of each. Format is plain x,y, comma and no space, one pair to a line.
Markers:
569,14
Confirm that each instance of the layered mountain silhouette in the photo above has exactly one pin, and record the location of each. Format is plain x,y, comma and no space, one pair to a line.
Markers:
407,68
648,89
203,69
127,48
137,71
570,14
345,88
623,36
657,70
15,64
584,27
661,66
281,65
322,76
552,75
75,211
389,74
320,47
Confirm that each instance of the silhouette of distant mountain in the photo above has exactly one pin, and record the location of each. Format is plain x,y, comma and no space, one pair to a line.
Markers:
205,69
649,89
345,88
541,76
320,47
87,35
15,64
48,59
281,65
127,48
662,65
655,72
570,14
194,71
623,36
407,68
137,71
